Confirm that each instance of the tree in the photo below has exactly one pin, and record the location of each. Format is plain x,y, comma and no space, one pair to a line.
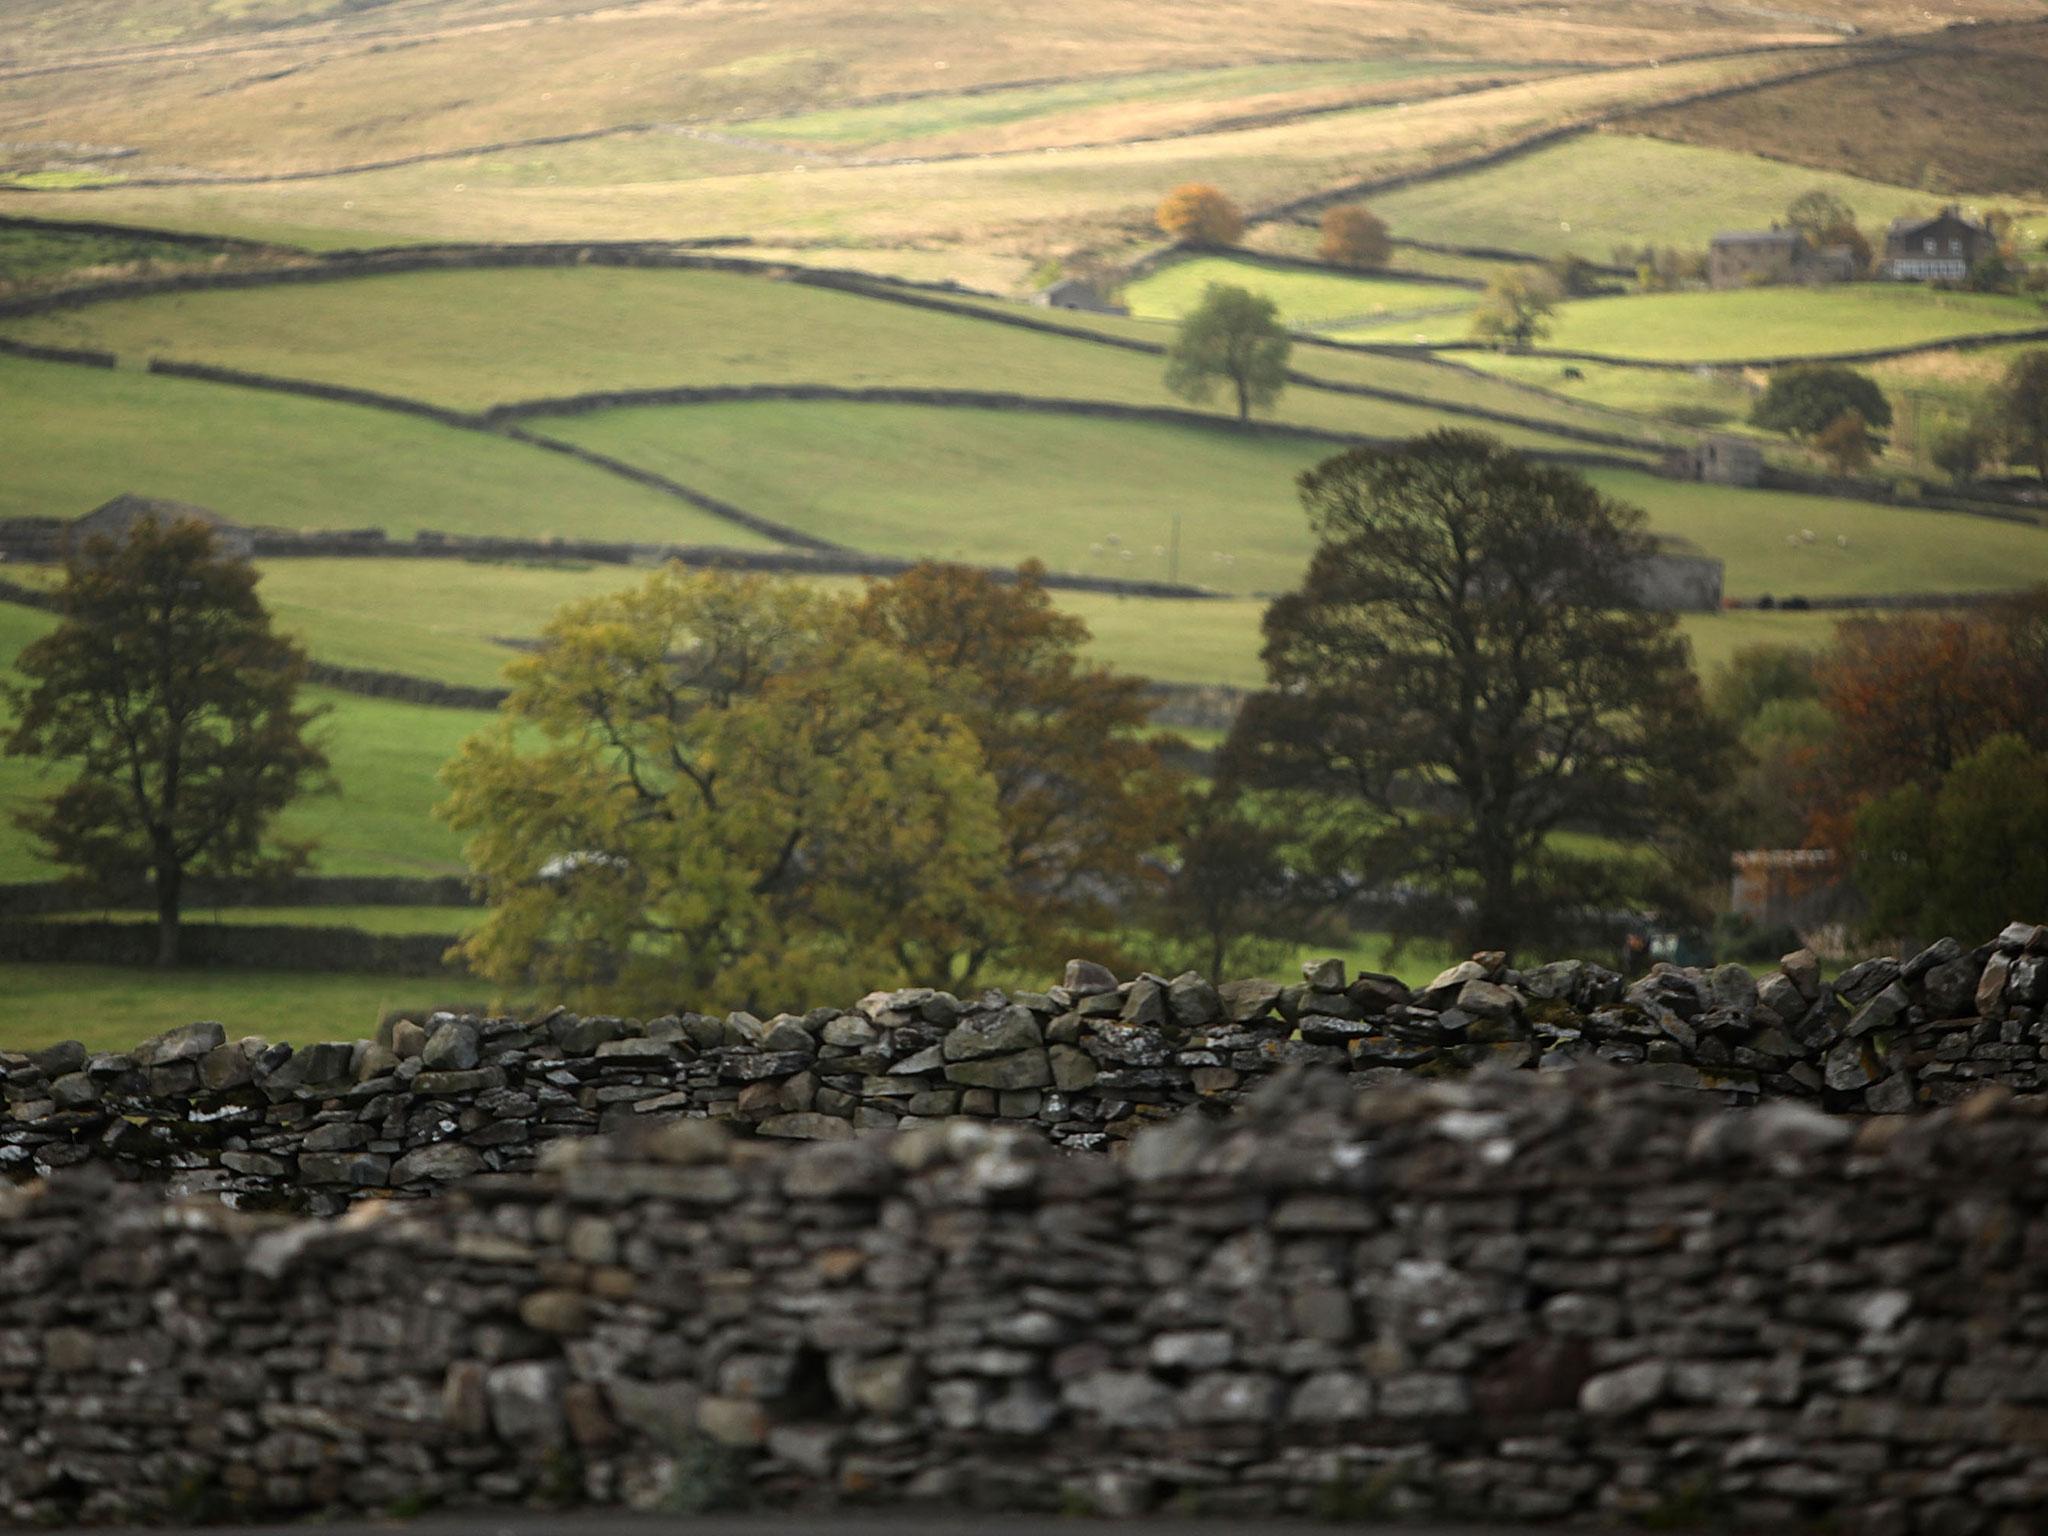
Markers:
1961,449
1354,236
1233,336
714,789
1768,694
1517,307
1826,220
2022,404
166,685
1197,214
1083,797
1807,399
1962,857
1846,443
1466,673
1908,698
1234,904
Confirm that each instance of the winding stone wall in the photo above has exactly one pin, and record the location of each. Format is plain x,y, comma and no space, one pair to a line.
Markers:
1084,1064
1521,1297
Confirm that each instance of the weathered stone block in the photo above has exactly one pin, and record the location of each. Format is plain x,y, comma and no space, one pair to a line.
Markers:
1024,1069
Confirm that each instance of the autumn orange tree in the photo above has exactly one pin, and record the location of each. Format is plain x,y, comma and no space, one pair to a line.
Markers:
1084,799
1195,213
1908,698
1355,236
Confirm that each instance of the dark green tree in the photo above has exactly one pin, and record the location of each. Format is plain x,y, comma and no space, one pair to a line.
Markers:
166,686
1465,671
1232,337
1805,400
2022,402
1962,858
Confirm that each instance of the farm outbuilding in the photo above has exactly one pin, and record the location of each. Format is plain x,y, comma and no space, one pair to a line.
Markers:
1767,257
114,519
1073,293
1725,459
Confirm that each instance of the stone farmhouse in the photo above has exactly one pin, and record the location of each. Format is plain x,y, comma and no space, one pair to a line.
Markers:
1768,257
1942,248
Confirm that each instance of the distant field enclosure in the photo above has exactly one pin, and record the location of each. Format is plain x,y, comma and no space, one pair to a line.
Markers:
81,436
1746,323
1594,192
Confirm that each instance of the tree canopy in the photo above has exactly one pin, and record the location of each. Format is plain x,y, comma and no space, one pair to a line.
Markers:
1826,220
168,688
1354,236
1232,337
1908,698
713,790
2022,402
1195,213
1082,795
1510,742
1809,398
1517,306
1964,855
728,791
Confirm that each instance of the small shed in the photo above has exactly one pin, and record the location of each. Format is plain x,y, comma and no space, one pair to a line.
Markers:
1073,293
117,518
1726,459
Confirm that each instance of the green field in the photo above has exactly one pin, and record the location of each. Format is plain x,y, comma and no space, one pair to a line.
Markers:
379,920
1889,549
1086,495
1750,322
473,339
110,1008
1306,299
1592,193
73,438
1719,398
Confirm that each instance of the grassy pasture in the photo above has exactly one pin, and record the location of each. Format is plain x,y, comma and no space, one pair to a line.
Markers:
1752,322
75,437
111,1008
1715,397
999,488
1889,549
1306,300
472,339
994,487
380,920
1595,192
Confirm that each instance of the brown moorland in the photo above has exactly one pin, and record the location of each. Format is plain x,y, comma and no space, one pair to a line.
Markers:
1969,117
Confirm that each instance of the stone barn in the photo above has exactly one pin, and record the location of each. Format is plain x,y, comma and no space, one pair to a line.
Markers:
114,520
1724,459
1768,257
1073,293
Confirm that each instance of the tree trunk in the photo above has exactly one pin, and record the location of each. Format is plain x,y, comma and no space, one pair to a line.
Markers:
1497,919
1244,404
170,882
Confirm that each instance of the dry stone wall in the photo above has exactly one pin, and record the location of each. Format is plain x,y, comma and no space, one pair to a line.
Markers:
1083,1064
1520,1296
